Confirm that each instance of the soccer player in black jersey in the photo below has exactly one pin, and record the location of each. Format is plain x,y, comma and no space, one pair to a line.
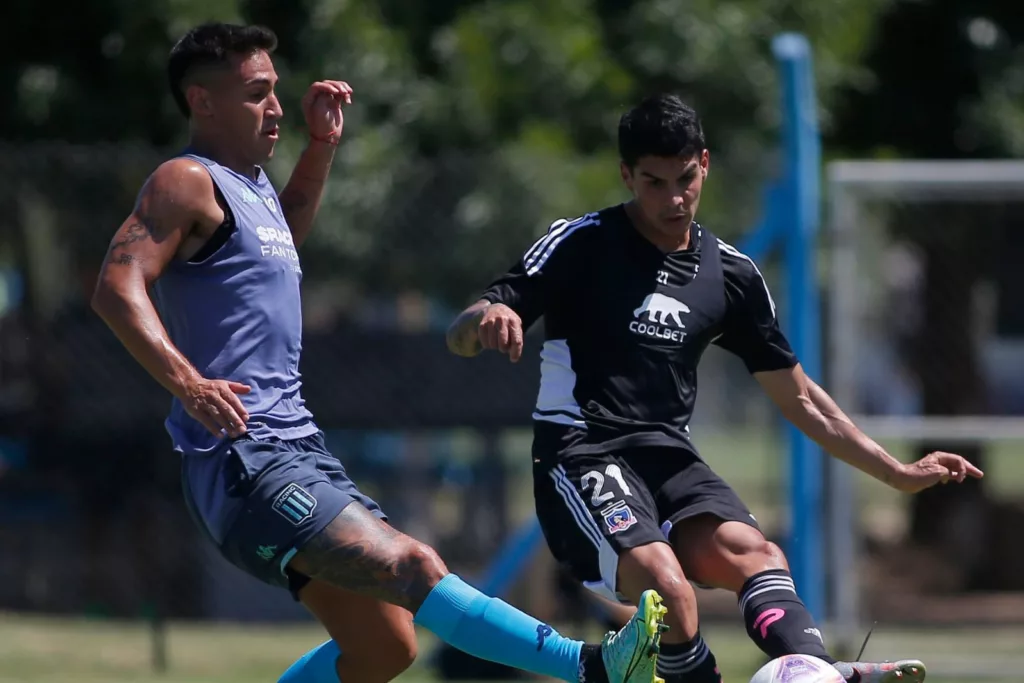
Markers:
631,297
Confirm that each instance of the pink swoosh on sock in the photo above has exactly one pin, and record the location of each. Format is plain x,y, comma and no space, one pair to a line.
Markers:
767,618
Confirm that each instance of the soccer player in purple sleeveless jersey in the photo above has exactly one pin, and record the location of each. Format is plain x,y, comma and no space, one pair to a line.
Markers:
217,248
632,295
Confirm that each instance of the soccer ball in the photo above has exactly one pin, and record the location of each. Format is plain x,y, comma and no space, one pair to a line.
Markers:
798,669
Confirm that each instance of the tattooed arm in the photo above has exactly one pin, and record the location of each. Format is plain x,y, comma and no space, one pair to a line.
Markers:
300,198
463,335
487,326
175,213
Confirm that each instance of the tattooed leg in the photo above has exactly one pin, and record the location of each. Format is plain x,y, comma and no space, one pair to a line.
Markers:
360,553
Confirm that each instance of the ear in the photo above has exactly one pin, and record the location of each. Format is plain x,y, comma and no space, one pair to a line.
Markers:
627,175
199,102
705,163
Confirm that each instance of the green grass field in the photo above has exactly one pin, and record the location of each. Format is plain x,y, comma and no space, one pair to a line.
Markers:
44,650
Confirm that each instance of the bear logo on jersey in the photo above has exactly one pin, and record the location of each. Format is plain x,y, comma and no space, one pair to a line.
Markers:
664,315
659,308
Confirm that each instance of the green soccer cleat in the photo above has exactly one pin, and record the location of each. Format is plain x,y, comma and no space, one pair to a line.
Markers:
903,671
631,655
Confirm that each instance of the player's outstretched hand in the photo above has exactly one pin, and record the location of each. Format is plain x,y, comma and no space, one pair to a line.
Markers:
321,107
935,468
501,329
215,404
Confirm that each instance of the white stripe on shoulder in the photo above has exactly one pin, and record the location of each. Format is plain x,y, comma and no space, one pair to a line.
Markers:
733,251
554,229
541,250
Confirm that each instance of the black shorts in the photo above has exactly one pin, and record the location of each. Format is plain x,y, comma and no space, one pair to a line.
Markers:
593,507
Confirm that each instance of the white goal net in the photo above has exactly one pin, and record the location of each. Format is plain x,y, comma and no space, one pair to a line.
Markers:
924,348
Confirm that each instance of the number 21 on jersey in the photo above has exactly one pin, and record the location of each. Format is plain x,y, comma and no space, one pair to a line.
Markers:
595,480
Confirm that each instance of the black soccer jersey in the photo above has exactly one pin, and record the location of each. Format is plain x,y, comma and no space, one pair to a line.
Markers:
626,325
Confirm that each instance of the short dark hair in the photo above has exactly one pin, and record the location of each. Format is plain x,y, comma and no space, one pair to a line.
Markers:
661,126
212,45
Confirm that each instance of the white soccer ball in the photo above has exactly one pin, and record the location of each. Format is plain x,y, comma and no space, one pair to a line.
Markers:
797,669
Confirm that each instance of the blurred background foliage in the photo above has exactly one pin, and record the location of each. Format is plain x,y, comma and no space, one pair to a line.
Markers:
499,116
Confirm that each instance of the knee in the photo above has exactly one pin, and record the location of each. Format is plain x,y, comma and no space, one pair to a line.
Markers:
406,652
380,650
422,560
673,586
750,554
419,568
386,661
775,557
746,544
399,663
654,566
762,553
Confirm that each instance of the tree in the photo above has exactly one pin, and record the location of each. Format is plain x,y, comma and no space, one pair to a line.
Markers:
476,122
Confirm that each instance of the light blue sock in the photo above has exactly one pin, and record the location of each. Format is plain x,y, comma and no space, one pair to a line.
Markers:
491,629
316,666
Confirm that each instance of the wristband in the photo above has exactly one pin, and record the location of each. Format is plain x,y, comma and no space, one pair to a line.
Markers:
331,139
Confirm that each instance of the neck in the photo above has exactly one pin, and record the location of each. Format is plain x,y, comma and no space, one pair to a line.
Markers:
667,242
208,145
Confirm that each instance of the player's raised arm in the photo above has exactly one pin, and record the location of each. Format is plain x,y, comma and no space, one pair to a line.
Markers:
301,197
177,199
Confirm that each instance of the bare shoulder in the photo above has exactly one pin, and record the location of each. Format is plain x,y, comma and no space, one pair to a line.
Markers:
180,187
176,210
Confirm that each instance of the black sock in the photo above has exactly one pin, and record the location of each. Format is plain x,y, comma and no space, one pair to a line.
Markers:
776,618
692,662
591,665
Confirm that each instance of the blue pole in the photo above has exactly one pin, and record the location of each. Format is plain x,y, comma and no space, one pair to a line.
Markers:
763,237
802,181
512,560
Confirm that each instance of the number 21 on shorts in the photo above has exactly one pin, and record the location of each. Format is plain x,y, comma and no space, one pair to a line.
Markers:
595,480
